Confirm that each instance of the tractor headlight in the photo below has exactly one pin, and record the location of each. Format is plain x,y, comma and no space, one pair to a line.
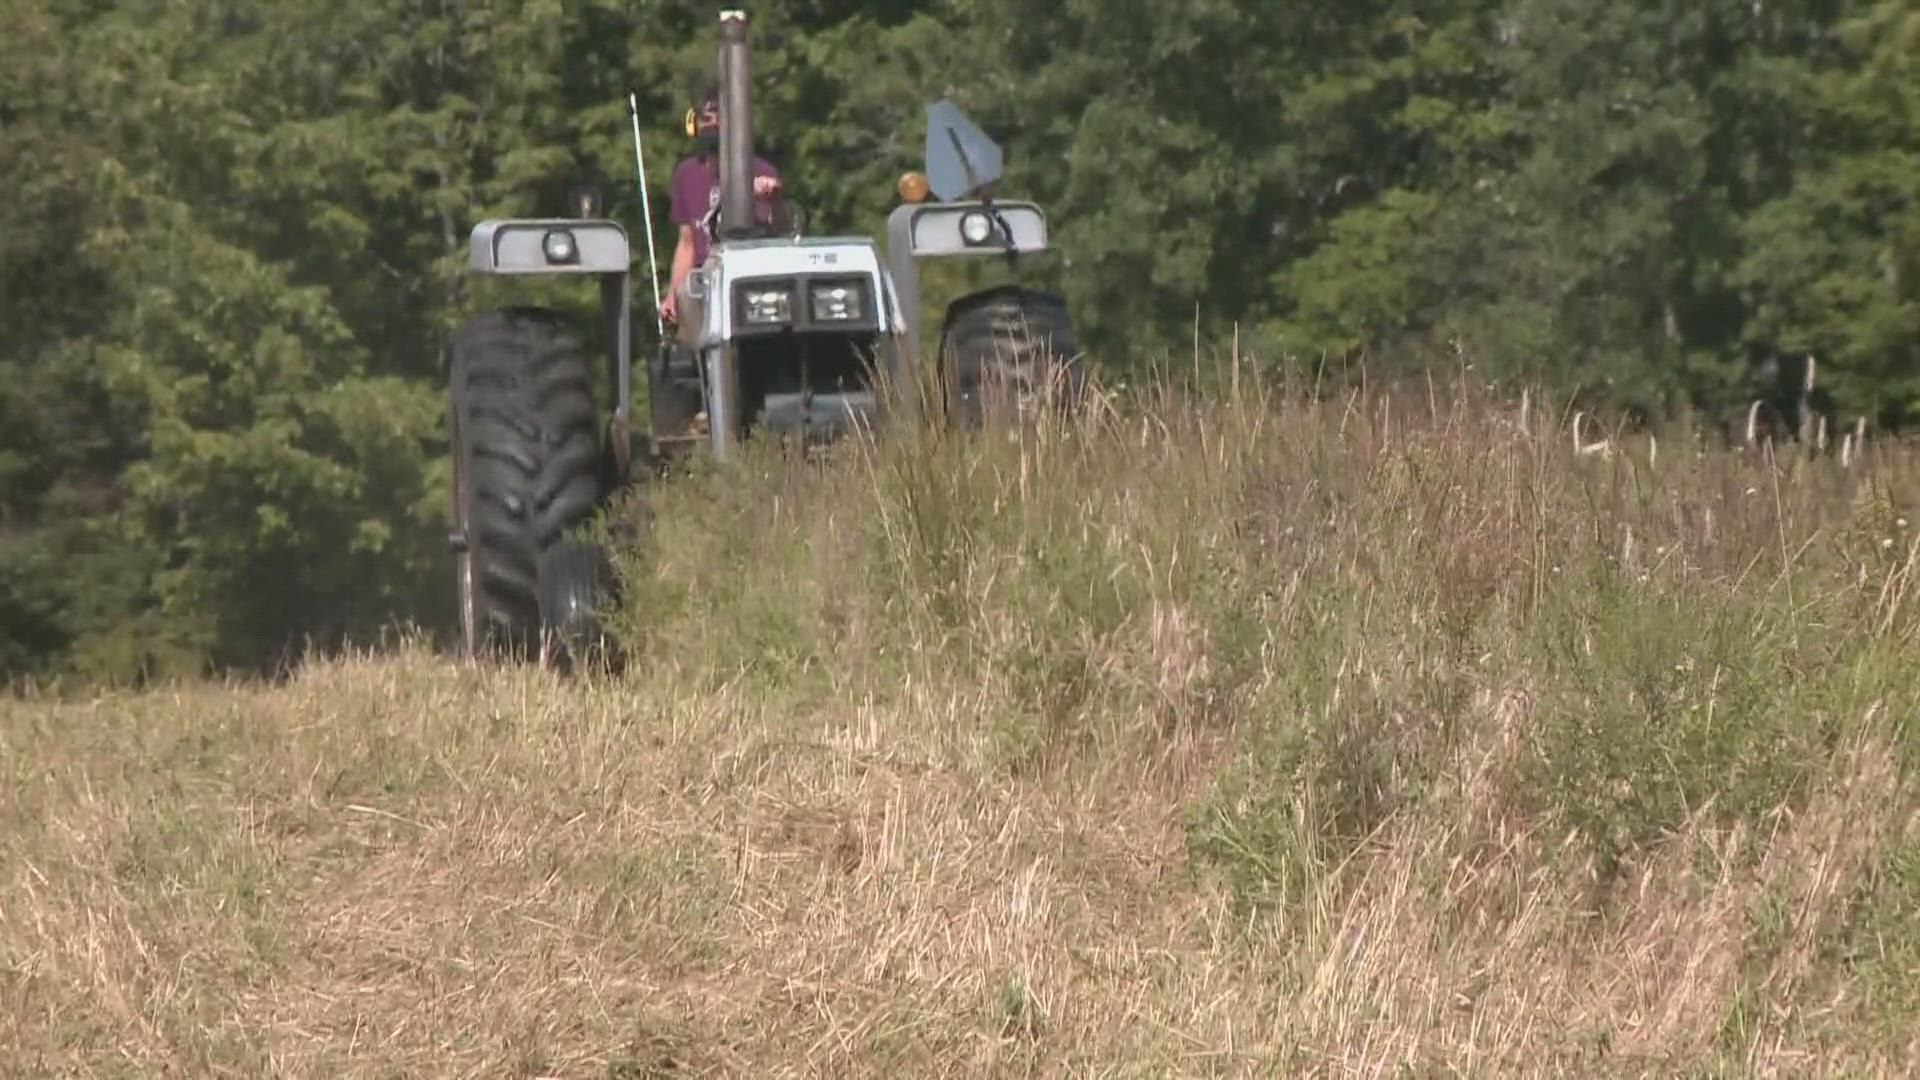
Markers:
976,228
769,305
837,303
559,246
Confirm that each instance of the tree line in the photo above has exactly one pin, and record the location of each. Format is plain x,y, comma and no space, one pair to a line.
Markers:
234,234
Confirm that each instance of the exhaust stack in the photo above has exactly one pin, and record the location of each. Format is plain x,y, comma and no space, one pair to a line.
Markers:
736,128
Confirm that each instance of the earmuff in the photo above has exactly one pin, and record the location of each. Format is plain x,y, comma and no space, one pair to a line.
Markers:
693,116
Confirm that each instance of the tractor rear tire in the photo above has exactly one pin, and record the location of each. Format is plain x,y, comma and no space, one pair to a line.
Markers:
1009,348
528,465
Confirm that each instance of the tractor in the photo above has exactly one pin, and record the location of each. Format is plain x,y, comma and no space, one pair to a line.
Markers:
779,332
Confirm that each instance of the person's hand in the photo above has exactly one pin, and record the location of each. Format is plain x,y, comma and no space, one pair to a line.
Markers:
667,309
764,186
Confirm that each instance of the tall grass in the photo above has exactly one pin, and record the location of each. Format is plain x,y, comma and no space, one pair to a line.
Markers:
1244,732
1447,687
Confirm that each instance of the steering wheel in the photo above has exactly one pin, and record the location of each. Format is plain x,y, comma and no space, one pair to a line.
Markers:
788,220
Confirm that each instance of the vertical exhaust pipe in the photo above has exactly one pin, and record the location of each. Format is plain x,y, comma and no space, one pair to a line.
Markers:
736,128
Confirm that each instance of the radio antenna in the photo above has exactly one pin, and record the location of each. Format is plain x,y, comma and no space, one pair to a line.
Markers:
646,212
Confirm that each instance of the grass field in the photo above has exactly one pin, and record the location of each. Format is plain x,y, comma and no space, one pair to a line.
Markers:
1383,738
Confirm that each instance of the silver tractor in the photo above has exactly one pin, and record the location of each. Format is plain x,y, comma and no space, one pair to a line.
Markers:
778,332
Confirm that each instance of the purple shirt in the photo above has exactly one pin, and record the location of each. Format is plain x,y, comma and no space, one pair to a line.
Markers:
696,197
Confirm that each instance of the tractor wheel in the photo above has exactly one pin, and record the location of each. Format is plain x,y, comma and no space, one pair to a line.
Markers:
575,582
1009,348
527,465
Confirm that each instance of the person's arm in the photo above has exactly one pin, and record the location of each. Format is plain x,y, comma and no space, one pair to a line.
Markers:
680,211
683,254
768,193
682,265
766,179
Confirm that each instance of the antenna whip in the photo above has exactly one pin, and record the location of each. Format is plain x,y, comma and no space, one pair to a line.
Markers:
646,212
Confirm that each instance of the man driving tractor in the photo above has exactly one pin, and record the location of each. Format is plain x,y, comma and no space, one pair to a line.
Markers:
695,199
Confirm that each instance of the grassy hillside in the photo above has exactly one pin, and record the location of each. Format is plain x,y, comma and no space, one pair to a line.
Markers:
1369,738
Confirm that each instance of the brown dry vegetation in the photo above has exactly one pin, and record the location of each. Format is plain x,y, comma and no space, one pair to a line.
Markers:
1247,737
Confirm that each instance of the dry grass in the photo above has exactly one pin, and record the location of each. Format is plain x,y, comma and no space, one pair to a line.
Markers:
1373,738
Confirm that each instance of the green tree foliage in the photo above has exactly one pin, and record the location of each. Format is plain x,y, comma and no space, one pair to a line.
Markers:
232,245
1833,268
